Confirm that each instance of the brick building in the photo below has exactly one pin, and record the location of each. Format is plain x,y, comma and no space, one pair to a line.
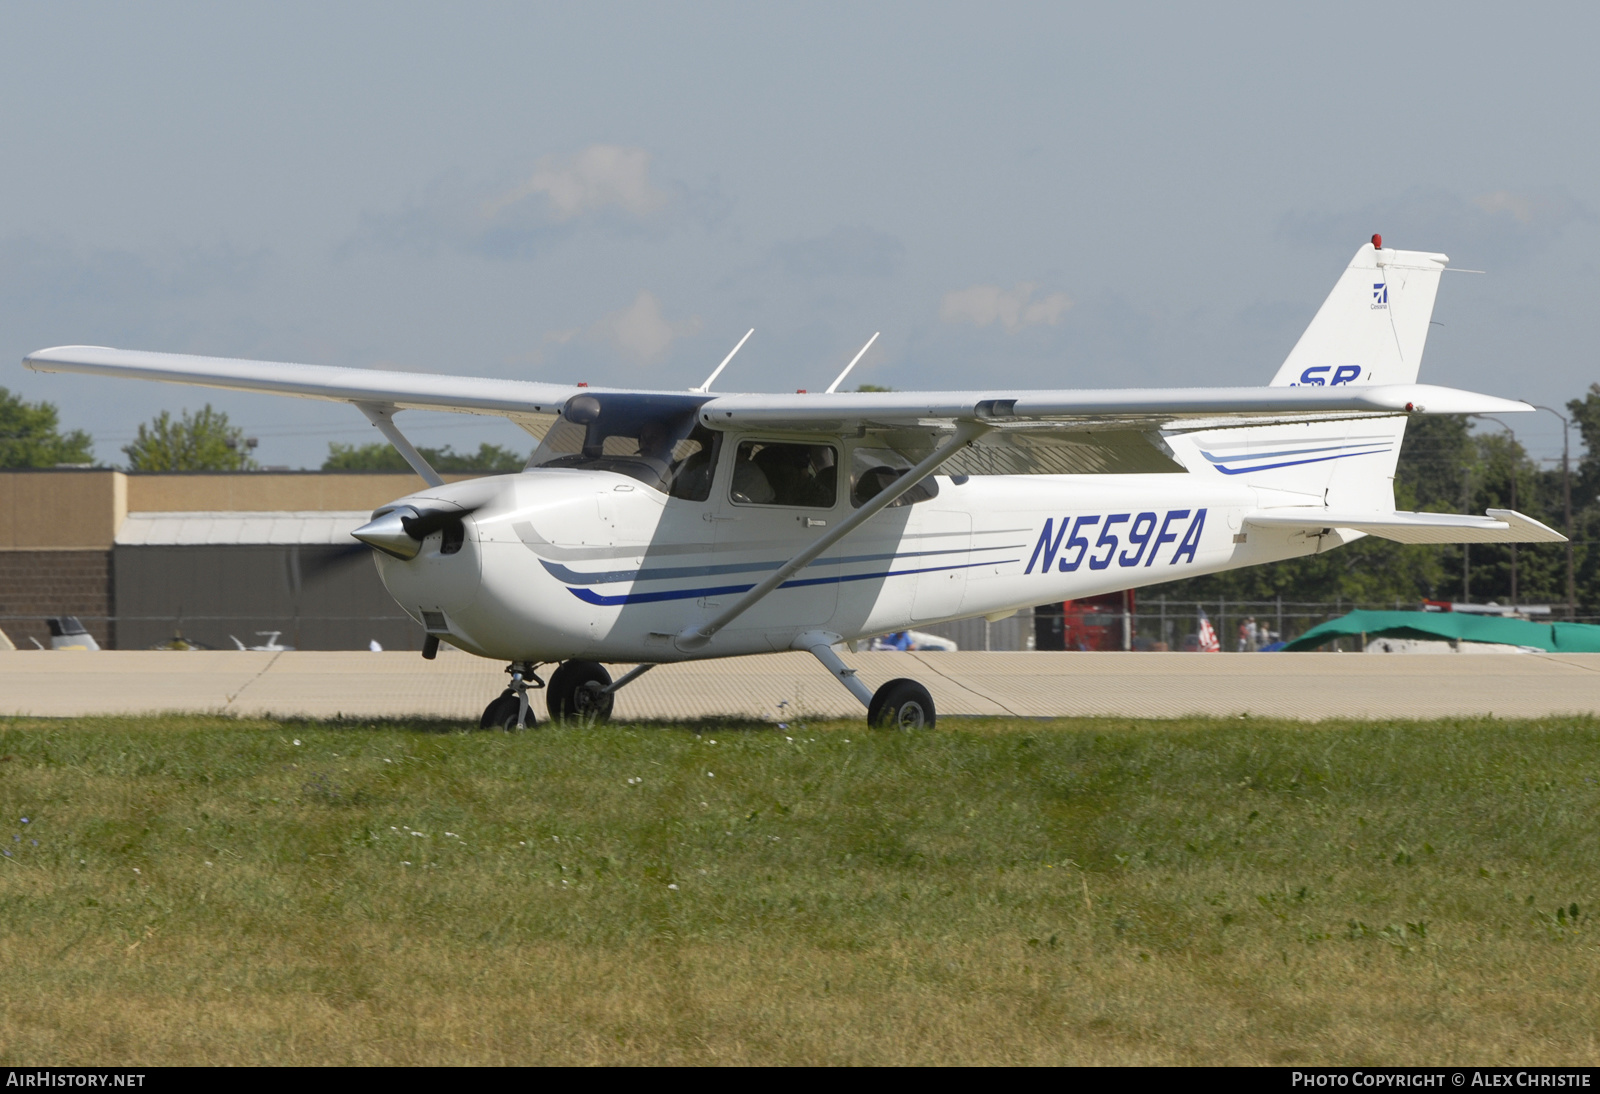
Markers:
213,555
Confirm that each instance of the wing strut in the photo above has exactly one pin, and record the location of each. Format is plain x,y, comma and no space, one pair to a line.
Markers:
695,638
383,417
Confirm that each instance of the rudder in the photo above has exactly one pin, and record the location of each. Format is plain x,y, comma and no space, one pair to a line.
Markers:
1373,326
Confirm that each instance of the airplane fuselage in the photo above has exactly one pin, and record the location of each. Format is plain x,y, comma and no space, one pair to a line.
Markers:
555,564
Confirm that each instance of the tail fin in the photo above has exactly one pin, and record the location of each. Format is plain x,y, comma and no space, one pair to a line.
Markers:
1370,330
1373,326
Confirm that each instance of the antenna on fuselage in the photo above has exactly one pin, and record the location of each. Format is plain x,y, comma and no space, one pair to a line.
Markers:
840,379
705,387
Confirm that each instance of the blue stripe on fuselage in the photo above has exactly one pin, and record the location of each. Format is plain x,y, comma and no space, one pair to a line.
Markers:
666,573
589,596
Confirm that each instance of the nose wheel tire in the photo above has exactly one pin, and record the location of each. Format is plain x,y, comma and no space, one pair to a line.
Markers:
901,704
574,692
501,713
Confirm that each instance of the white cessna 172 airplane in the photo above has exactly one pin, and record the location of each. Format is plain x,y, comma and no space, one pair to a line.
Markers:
659,526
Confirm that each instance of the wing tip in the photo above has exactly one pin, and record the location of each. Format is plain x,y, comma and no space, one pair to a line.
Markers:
58,355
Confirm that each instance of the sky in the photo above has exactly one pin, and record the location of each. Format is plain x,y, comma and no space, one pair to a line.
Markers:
1015,195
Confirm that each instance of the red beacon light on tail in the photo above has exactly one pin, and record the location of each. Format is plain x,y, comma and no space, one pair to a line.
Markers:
1377,242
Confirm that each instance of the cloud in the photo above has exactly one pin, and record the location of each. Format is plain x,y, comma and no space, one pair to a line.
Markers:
1012,308
640,333
594,179
602,187
1544,210
858,251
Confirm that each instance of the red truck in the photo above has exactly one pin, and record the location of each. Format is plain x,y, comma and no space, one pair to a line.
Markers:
1093,623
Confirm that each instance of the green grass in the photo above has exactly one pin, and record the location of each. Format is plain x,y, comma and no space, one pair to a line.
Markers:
1089,891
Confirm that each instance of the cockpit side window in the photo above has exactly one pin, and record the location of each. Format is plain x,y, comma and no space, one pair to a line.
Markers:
655,439
873,469
785,473
694,461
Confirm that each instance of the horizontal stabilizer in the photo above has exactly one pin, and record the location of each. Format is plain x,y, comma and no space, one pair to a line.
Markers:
1499,526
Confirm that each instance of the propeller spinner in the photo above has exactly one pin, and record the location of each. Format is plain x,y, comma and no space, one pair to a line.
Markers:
400,531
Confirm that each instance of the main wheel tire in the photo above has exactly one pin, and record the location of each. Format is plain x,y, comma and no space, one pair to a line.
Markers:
568,694
901,704
501,713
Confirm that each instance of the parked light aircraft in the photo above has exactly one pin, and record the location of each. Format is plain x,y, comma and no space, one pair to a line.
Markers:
652,527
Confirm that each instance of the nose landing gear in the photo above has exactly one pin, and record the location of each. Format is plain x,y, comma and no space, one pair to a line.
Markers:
578,689
510,709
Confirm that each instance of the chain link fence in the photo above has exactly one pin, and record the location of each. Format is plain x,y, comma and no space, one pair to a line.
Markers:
1156,624
1161,624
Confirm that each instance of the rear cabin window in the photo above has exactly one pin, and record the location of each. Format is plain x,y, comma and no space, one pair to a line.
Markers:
785,473
873,469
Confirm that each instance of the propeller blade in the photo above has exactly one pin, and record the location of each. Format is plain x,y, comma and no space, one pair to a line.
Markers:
317,563
428,521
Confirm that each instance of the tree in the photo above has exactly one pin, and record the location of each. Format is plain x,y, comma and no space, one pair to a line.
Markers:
1585,415
195,442
872,387
30,436
381,456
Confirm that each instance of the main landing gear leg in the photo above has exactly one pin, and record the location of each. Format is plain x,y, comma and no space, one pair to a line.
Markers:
627,678
819,644
899,704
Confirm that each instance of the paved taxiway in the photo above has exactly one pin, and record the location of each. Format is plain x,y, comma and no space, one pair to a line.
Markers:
1146,685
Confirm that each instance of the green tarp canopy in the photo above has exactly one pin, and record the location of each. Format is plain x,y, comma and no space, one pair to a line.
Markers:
1461,626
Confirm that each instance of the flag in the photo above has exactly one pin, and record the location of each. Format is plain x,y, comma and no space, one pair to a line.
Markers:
1208,637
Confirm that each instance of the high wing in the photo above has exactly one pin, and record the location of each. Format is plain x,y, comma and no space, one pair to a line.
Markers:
1028,432
1500,526
1076,432
1200,407
530,404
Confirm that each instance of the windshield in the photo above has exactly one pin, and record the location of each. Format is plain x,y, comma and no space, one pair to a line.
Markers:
653,438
